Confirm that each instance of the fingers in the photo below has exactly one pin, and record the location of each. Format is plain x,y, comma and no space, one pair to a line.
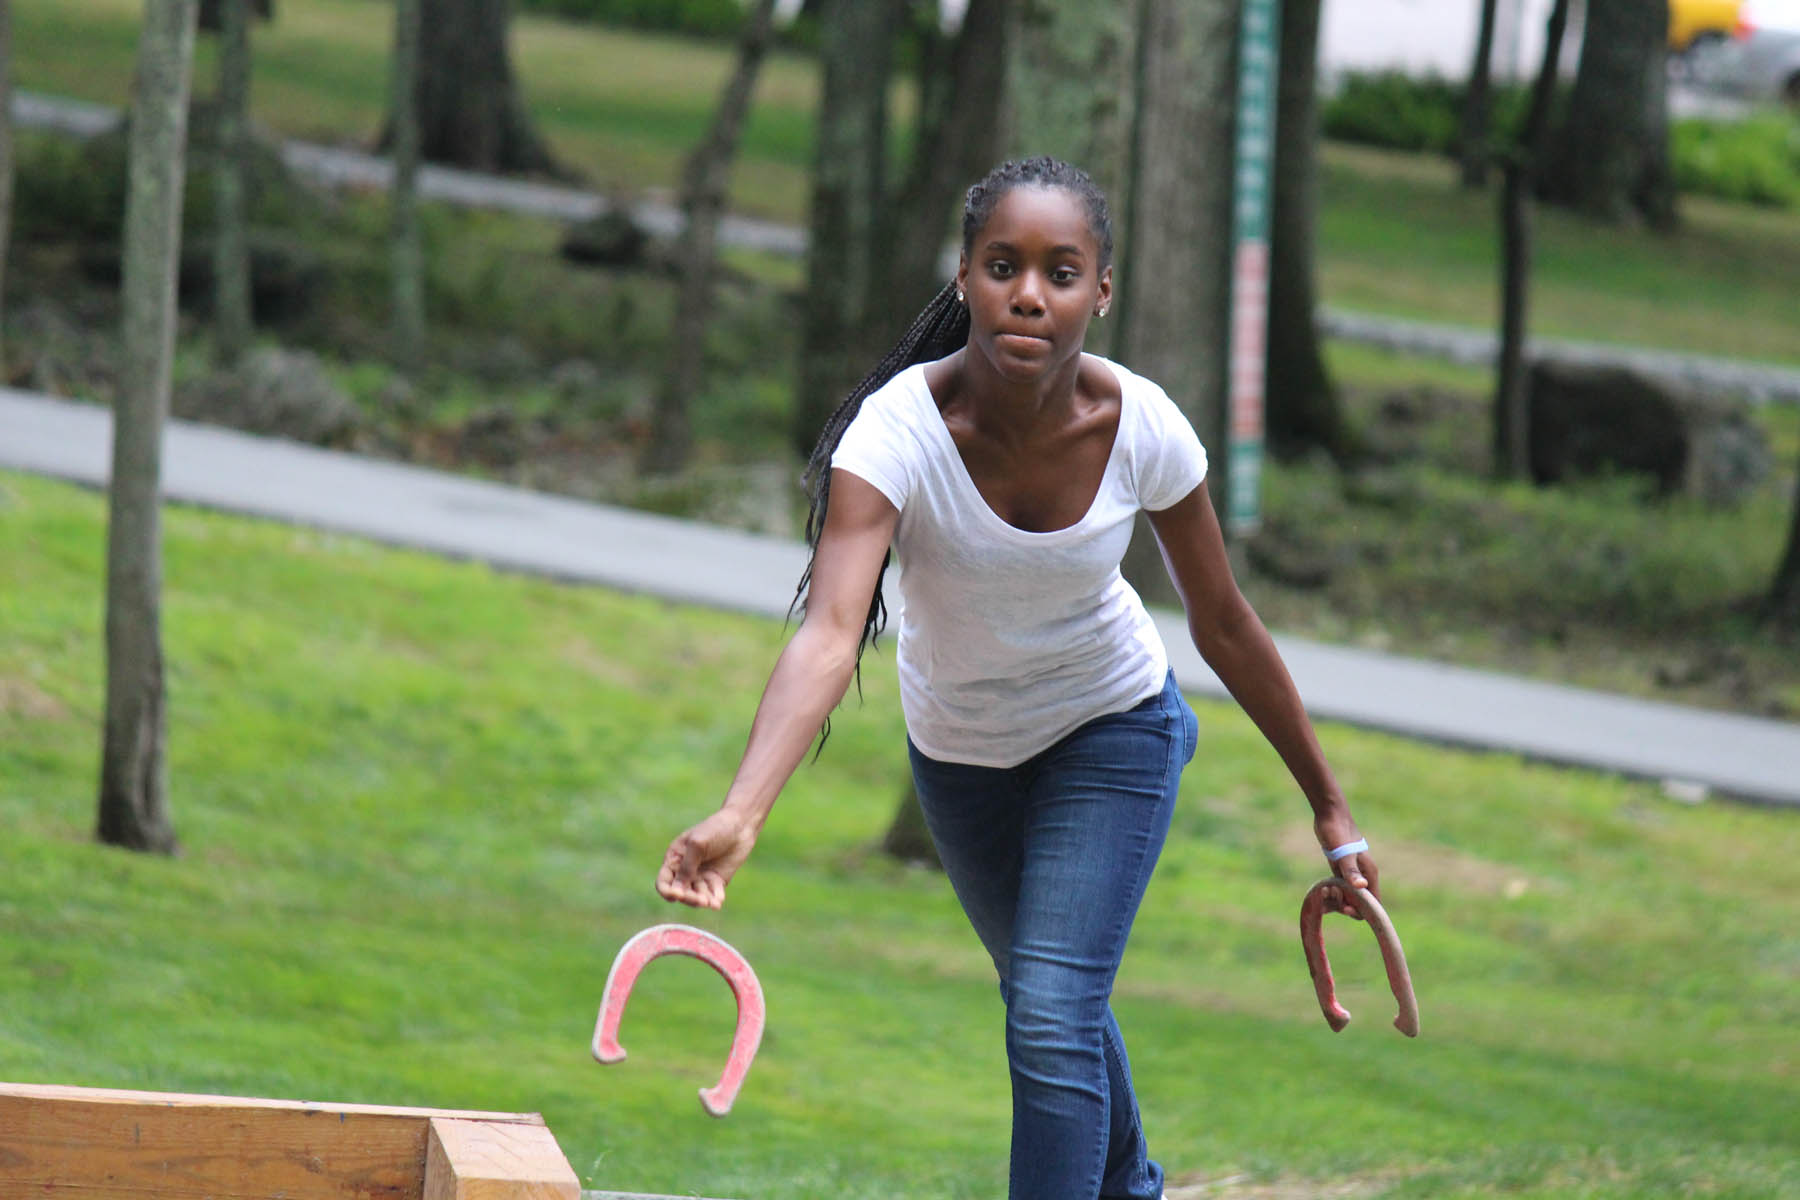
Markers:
681,880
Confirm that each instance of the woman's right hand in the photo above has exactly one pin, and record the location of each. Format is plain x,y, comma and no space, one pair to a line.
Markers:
702,861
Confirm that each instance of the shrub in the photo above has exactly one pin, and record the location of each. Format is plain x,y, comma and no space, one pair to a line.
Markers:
1393,110
1755,160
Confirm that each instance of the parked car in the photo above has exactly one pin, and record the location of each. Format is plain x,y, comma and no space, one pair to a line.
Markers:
1761,61
1696,22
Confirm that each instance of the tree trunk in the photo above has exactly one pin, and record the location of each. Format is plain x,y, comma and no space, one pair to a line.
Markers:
212,13
406,246
957,140
6,166
848,196
1072,92
232,319
1172,286
1511,427
1783,605
134,780
907,837
703,192
470,111
1611,156
1473,132
1302,409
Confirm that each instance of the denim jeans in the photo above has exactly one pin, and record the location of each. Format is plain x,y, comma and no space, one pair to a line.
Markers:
1050,860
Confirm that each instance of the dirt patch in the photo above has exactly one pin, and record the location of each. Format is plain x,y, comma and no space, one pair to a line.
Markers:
1425,866
23,698
1247,1187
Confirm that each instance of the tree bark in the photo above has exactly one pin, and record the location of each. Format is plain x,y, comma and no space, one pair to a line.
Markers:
956,141
907,837
1073,92
1511,425
133,808
1172,286
848,197
212,13
406,244
470,111
1610,159
1782,607
703,193
6,166
1473,132
232,318
1301,407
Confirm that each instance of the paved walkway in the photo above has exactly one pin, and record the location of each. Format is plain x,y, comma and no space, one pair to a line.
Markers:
1743,757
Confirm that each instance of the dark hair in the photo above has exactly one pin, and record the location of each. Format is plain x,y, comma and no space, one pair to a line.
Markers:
941,329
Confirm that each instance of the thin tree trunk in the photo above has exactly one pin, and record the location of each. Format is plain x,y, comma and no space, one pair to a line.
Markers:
1172,286
1302,406
6,166
957,140
704,181
1472,135
1512,432
1783,604
849,192
133,808
406,249
232,319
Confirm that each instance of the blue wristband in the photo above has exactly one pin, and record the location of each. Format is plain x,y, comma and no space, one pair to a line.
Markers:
1347,849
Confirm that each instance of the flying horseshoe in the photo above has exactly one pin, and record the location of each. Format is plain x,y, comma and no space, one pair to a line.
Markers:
1312,912
657,941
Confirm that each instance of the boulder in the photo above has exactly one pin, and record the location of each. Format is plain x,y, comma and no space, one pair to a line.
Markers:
1589,420
276,392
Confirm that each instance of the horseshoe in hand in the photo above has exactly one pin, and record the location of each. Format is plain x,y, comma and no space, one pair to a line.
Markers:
1312,912
657,941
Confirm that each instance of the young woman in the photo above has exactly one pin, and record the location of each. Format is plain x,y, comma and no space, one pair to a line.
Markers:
1046,734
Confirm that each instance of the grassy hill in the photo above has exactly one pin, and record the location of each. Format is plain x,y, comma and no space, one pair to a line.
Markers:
421,803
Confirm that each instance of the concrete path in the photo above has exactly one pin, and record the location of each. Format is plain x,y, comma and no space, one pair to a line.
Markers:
1699,751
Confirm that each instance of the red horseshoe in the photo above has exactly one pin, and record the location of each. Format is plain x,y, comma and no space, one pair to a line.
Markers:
1312,912
657,941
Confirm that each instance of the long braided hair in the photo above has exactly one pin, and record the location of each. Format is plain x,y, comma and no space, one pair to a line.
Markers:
941,329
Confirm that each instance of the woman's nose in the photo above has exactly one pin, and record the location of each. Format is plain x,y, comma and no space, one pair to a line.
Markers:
1028,296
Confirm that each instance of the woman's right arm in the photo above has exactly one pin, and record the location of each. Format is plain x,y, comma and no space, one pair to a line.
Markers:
809,679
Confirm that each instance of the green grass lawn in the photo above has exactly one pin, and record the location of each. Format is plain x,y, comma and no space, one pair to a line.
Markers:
1396,234
421,803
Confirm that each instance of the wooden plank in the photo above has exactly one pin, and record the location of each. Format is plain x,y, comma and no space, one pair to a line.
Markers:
487,1160
97,1144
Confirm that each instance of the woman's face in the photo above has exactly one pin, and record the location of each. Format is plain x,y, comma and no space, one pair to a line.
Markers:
1033,280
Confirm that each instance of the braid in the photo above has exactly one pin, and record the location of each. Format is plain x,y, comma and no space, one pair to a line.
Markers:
942,328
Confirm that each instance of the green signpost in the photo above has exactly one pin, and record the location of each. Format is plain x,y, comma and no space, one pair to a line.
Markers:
1259,62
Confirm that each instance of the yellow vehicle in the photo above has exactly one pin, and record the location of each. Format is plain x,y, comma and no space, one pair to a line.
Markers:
1694,21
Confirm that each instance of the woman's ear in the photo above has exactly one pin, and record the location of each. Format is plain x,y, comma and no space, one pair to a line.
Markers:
1103,301
962,278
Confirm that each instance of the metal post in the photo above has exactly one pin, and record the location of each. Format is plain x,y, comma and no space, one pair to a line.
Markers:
1259,65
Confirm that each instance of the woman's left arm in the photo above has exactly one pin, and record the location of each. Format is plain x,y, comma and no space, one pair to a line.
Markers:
1234,643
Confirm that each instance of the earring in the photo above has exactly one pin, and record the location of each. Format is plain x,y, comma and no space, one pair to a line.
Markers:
1101,311
959,297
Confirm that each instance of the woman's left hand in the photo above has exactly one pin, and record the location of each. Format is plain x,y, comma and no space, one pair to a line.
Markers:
1357,870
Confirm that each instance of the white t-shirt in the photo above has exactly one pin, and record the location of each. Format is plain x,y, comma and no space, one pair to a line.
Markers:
1011,639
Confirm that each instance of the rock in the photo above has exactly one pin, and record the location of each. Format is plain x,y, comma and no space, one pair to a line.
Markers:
1590,420
612,239
276,392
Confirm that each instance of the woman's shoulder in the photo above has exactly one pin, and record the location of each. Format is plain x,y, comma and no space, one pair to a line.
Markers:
1140,392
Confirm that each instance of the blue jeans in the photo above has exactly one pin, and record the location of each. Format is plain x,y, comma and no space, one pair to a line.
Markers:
1050,860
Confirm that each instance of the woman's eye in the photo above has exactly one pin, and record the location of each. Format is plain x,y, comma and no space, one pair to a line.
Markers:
1000,268
1064,275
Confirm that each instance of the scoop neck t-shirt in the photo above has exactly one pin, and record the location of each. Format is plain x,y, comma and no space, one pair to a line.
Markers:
1011,639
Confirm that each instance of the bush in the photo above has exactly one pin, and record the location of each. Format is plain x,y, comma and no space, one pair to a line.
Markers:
1753,161
1394,111
719,19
